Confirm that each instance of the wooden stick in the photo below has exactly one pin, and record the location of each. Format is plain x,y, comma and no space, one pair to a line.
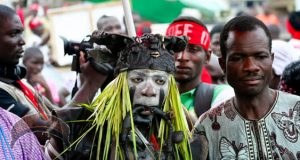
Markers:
128,18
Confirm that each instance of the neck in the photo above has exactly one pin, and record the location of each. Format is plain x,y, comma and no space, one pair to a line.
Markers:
14,72
256,107
188,85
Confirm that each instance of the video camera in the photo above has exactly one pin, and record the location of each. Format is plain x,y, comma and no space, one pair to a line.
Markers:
96,56
74,48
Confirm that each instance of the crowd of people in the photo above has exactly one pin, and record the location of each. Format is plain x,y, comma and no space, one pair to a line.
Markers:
145,97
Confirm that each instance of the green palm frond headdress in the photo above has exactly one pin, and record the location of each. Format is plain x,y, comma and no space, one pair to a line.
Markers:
111,107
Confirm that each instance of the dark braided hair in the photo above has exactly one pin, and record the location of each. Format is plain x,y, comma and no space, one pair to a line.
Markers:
290,79
242,24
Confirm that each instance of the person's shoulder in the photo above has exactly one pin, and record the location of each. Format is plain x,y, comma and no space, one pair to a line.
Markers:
287,100
8,118
221,87
214,111
288,96
221,94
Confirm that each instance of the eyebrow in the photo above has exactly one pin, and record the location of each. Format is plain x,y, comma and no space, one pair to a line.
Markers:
158,75
139,73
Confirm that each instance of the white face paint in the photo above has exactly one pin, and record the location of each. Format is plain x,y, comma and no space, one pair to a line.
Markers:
148,84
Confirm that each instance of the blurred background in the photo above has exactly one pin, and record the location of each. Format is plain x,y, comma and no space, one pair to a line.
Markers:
49,23
74,19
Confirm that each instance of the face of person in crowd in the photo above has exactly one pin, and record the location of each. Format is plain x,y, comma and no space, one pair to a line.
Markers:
111,25
215,71
148,85
215,44
11,40
34,64
189,63
248,64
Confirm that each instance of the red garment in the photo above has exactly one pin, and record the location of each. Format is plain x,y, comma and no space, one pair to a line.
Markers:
20,13
205,76
268,19
35,23
30,95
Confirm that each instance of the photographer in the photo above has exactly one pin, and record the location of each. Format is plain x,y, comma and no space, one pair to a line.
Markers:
20,98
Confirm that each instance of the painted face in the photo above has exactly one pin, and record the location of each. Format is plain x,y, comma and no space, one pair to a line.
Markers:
189,63
148,85
34,64
248,62
11,41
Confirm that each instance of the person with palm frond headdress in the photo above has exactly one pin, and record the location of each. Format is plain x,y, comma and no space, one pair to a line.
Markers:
139,114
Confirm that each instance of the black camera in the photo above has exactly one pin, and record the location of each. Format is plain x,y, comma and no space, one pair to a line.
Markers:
101,59
73,48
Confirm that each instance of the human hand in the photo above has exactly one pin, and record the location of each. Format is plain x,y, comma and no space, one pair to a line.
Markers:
89,74
38,79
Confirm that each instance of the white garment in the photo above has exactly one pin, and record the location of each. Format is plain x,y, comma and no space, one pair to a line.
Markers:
275,136
224,95
295,43
284,54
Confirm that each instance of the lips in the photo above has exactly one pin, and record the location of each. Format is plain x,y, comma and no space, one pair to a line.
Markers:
146,111
252,80
182,69
20,53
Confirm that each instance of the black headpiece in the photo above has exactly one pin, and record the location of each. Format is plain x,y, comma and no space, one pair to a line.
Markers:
151,51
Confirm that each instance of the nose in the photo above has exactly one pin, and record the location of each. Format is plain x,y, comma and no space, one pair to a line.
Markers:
116,30
21,40
40,66
149,90
250,65
181,56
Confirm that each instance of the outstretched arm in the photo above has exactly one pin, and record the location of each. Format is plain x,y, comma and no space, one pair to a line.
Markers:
92,81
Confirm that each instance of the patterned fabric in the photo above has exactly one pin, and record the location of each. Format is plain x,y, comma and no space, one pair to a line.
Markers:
15,146
275,136
19,96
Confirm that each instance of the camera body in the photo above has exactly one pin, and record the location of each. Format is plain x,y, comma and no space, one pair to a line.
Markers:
74,48
101,59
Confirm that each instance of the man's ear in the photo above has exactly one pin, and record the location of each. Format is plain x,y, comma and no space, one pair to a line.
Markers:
222,63
272,56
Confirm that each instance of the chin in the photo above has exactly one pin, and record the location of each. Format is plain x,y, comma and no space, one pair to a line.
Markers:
182,79
251,92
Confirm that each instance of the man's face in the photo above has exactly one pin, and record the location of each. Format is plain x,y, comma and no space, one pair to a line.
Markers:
189,63
11,41
148,85
248,64
111,25
215,44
